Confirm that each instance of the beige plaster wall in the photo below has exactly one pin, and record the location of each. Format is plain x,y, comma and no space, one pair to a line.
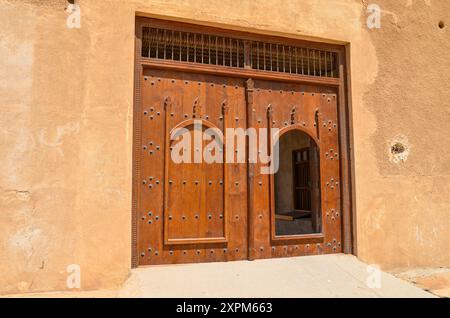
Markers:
66,100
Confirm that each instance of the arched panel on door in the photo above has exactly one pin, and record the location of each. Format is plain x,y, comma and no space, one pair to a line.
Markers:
296,209
195,184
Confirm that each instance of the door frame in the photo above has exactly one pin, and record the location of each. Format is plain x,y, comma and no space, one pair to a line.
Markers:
342,83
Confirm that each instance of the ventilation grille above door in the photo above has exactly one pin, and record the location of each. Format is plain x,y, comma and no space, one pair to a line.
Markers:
293,59
207,49
192,47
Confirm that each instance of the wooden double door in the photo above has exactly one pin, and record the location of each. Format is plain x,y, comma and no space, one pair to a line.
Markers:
191,210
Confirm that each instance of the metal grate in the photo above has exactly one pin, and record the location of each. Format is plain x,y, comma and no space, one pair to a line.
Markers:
230,52
192,47
293,59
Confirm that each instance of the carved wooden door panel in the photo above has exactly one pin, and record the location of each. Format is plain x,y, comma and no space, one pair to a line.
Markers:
312,111
189,210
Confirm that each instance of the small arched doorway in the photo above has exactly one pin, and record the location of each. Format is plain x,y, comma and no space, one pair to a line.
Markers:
297,186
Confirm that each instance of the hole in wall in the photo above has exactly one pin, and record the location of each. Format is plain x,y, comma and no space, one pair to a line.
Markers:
441,24
397,148
69,4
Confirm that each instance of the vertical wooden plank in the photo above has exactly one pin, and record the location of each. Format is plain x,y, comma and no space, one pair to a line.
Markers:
137,113
345,137
315,186
251,171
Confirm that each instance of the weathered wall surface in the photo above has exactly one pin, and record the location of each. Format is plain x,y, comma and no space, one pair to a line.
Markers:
66,100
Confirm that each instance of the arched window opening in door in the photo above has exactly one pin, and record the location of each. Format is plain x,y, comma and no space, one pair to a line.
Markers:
297,186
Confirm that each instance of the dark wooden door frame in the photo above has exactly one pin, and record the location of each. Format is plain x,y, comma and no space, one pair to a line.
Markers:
342,83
